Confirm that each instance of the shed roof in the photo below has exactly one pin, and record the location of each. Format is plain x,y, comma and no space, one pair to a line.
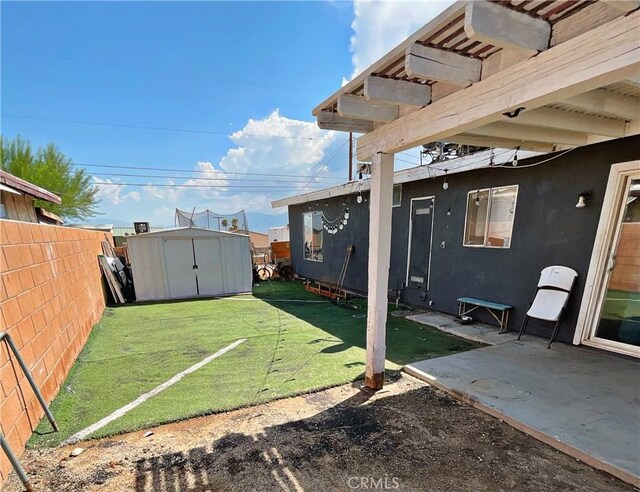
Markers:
185,232
511,48
28,188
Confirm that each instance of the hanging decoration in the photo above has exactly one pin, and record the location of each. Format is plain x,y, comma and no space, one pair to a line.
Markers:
332,226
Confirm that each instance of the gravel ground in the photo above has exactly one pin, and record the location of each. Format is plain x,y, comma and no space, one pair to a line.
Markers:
407,437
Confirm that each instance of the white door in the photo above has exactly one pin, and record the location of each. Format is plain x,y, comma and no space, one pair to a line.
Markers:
609,316
209,261
179,261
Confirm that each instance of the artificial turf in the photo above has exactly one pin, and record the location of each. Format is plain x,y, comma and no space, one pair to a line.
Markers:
291,347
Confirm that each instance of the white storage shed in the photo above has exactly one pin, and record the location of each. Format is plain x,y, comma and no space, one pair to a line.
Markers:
189,262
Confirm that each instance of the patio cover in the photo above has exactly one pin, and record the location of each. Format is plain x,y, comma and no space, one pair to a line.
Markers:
540,76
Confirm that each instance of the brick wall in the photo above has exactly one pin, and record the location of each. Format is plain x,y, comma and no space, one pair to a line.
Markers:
50,297
626,274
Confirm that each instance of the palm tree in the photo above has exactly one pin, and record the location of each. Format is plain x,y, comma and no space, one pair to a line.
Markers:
225,223
234,225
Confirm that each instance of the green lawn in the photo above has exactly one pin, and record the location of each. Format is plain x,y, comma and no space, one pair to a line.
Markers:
291,348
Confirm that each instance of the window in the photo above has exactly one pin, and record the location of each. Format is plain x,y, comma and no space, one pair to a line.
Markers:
313,229
3,212
490,215
397,195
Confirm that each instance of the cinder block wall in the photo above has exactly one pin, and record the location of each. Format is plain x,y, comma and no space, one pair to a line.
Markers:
51,295
626,274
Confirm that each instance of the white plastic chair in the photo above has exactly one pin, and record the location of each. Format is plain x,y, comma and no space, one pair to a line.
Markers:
551,298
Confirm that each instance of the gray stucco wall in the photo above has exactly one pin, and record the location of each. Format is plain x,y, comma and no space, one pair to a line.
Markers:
548,230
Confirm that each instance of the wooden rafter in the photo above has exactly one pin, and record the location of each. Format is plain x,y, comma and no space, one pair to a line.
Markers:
602,56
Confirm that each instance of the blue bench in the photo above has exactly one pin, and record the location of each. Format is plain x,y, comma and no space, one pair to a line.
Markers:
502,309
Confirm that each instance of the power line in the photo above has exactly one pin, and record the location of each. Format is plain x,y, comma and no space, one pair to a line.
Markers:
165,185
139,168
155,128
199,178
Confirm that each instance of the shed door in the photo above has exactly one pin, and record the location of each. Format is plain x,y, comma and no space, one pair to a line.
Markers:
181,278
209,261
419,257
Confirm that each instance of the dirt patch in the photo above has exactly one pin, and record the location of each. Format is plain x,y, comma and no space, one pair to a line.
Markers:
407,437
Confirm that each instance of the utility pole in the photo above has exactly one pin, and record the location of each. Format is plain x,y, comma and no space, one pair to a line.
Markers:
350,156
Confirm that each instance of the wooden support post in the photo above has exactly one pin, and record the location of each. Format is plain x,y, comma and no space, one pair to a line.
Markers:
380,204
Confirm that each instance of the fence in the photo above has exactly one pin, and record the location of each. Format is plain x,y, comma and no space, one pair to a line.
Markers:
51,295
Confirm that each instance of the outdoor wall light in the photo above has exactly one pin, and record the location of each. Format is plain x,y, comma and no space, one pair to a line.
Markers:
582,198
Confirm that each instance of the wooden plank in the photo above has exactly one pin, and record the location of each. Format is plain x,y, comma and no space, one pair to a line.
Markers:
586,19
504,143
327,120
10,205
441,20
380,206
624,6
567,120
430,63
351,106
114,284
390,91
503,129
603,56
494,24
607,103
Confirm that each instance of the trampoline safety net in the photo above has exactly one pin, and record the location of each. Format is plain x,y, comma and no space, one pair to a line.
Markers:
207,219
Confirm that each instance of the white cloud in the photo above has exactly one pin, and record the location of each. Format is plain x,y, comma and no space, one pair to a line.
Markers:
109,190
380,26
272,145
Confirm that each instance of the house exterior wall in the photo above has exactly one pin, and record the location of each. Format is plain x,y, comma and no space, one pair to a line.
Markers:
19,207
548,230
50,297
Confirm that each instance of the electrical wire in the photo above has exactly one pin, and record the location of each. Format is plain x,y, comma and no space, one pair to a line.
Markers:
203,178
155,128
169,185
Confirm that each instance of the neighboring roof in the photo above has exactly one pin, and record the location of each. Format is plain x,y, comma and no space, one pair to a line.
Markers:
28,188
185,231
453,166
50,216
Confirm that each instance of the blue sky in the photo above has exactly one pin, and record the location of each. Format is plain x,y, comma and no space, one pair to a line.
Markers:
242,77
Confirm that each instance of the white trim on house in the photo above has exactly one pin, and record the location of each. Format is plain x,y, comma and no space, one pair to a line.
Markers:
601,260
461,164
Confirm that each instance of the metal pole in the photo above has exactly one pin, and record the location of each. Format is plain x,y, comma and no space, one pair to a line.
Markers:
5,336
350,156
16,464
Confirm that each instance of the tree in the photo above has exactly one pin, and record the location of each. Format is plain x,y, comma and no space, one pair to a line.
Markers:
225,223
234,224
50,169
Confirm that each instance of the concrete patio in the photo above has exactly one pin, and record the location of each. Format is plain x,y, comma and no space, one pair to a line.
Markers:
583,402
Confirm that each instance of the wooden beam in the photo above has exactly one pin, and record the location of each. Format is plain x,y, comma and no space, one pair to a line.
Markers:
351,106
624,5
504,143
430,63
502,129
492,23
390,91
567,120
450,14
603,56
333,121
607,103
380,206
